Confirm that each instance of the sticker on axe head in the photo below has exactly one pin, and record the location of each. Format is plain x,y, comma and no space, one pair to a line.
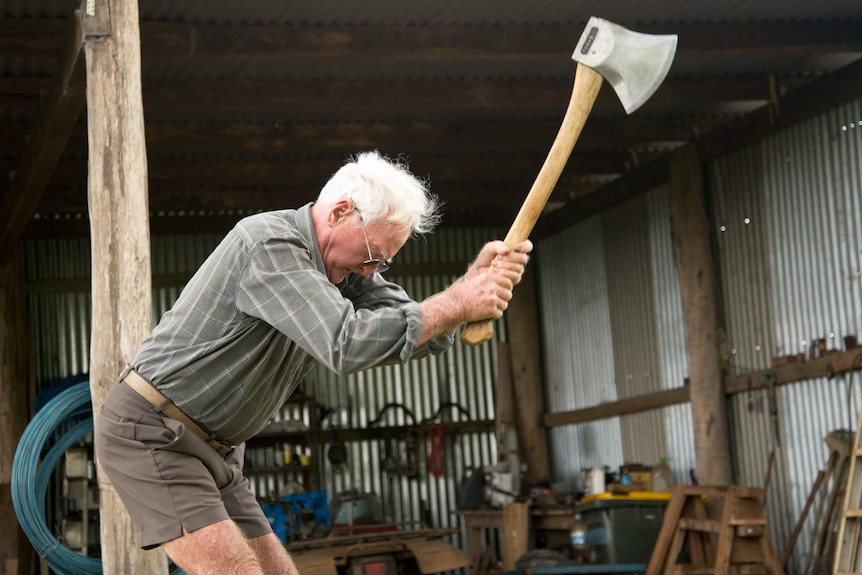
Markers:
594,31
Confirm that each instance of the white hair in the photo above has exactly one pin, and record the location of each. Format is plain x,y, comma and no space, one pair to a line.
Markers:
384,189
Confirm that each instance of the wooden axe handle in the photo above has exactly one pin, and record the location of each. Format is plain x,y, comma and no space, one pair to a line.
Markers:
586,89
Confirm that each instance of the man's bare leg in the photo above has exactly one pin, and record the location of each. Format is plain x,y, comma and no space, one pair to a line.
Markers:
273,557
217,548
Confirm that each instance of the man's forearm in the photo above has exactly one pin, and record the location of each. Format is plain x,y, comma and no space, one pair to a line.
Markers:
441,313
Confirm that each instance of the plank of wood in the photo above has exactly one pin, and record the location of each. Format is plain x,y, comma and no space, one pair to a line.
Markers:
516,533
828,366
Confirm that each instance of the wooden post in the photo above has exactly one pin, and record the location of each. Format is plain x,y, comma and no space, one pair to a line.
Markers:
119,224
505,427
526,353
15,552
516,533
691,248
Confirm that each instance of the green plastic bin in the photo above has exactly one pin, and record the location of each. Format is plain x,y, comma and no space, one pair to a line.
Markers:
622,529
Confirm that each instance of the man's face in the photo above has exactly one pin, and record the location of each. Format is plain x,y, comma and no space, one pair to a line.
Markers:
357,244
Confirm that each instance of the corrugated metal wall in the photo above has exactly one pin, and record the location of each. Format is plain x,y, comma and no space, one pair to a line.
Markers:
789,213
617,321
57,276
577,340
788,236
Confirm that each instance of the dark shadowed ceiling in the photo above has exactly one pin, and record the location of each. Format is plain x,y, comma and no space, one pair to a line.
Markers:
252,105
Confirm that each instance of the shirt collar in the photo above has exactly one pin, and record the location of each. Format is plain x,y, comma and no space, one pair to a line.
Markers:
306,227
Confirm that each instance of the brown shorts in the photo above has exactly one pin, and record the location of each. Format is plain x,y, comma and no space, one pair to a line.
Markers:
167,477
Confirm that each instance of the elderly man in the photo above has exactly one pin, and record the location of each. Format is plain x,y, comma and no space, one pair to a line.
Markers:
283,290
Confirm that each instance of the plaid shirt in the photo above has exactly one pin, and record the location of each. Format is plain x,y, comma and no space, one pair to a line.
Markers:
256,316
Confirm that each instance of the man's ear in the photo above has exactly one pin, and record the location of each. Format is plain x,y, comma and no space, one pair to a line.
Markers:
340,210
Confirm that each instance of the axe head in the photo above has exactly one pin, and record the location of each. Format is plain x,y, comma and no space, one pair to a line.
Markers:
635,64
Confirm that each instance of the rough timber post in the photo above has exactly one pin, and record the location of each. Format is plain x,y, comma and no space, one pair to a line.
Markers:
119,228
694,263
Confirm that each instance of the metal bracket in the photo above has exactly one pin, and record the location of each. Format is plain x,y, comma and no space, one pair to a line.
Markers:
95,18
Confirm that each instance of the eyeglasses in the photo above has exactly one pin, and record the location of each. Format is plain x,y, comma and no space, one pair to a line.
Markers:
371,262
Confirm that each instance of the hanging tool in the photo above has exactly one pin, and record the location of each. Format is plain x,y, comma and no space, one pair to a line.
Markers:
392,461
336,454
436,463
769,381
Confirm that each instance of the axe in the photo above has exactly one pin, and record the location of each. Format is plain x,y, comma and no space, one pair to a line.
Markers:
635,64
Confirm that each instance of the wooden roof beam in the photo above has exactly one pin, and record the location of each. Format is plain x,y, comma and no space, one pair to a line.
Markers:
288,96
40,37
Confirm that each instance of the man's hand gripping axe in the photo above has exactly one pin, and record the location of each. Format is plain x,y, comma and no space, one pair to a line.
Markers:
635,64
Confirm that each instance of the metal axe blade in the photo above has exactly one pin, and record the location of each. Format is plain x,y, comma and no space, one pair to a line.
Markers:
635,64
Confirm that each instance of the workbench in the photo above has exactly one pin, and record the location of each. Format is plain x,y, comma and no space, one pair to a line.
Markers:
552,522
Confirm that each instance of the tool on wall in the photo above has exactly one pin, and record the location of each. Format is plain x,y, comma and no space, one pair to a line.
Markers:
769,381
336,454
435,460
635,64
392,461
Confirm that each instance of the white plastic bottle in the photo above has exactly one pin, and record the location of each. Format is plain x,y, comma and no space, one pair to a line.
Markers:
662,476
596,481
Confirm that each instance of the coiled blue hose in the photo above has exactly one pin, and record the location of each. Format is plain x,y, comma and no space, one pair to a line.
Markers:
29,486
28,495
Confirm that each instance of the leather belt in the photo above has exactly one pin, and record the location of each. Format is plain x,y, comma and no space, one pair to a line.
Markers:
167,408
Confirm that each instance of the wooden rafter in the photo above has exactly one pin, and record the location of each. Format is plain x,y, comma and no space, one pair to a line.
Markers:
174,39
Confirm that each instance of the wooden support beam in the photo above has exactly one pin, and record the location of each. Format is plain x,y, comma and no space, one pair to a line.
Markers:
407,138
526,359
222,96
120,245
216,222
831,91
313,173
619,408
832,364
163,39
58,115
275,433
696,271
824,367
506,426
516,533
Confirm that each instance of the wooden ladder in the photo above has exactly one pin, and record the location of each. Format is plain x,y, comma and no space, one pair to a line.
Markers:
690,543
847,556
